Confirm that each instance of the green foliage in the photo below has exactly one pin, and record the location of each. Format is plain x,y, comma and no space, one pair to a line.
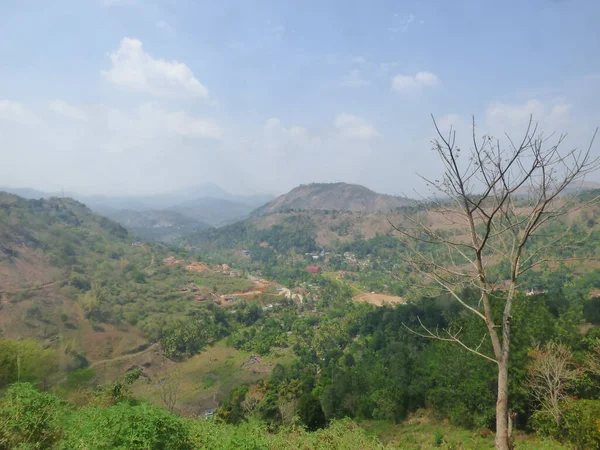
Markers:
30,419
79,378
438,438
581,423
25,361
311,412
138,276
297,232
591,310
223,284
185,338
125,427
231,410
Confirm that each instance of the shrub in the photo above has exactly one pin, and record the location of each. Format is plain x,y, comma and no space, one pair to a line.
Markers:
29,418
123,426
80,377
580,423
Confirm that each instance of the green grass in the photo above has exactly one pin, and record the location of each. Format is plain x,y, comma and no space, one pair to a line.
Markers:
421,432
207,378
223,284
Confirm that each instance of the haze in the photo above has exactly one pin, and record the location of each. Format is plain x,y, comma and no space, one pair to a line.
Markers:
137,97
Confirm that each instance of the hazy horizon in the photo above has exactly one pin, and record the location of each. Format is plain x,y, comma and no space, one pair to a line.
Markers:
140,97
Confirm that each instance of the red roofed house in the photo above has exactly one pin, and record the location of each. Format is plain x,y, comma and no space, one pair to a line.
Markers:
313,269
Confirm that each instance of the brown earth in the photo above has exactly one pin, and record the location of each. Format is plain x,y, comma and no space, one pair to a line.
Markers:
379,299
197,267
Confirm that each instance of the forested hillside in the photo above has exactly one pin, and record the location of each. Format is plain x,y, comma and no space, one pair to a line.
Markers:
92,299
80,284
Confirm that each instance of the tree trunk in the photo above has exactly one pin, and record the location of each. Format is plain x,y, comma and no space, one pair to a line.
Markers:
502,432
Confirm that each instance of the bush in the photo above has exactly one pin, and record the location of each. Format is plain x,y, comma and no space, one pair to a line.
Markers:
580,423
311,412
123,426
544,424
80,377
29,418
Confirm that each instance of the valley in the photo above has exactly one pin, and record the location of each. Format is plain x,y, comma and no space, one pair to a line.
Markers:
249,320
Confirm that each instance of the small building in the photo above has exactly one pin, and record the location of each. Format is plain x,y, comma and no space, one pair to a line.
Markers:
210,413
313,269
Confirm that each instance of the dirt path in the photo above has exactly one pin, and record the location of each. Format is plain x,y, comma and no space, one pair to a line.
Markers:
122,357
116,358
33,288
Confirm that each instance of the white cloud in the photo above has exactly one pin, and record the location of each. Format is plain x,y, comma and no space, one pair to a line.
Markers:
165,26
185,125
384,67
450,121
407,83
359,60
70,111
276,134
354,79
508,117
135,70
272,123
353,127
15,112
298,132
152,117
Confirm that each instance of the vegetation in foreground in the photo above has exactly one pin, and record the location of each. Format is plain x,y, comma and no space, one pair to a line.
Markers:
31,419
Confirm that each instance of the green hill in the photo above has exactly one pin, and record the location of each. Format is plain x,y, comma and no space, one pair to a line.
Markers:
79,282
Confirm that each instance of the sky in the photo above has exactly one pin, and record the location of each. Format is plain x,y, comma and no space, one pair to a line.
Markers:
131,97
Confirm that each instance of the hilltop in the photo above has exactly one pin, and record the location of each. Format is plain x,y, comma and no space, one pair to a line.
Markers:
332,197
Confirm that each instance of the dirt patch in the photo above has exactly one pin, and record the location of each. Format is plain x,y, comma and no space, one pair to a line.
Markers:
172,261
379,299
197,267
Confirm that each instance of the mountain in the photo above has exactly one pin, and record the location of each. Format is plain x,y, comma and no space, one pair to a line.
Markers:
165,225
170,199
165,216
212,211
28,193
307,218
332,197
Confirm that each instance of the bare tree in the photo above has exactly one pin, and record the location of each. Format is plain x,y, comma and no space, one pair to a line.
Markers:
168,391
497,197
250,403
551,373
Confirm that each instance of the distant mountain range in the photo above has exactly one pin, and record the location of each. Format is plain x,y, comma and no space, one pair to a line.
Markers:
165,216
170,217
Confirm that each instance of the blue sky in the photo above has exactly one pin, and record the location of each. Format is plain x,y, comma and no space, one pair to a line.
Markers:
140,96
